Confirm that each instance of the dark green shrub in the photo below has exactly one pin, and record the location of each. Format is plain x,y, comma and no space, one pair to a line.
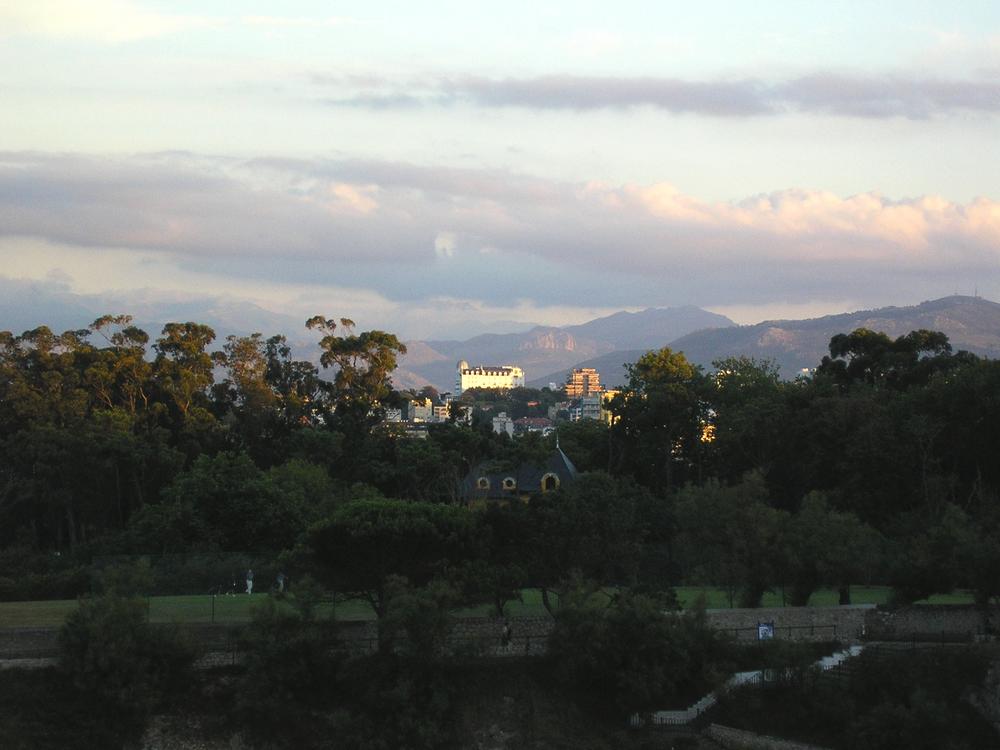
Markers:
290,673
394,702
417,621
632,655
109,650
42,710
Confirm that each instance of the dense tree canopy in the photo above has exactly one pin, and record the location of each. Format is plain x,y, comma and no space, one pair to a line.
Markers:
879,467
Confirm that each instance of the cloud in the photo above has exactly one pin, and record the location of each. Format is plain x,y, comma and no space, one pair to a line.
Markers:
381,226
889,96
359,198
96,20
846,95
297,22
45,282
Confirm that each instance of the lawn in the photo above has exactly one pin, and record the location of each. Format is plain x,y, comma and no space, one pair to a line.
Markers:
236,609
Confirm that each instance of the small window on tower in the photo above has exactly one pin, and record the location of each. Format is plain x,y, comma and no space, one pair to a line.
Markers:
509,483
483,483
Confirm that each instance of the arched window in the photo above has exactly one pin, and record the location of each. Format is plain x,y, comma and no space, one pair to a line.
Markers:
483,483
509,484
550,482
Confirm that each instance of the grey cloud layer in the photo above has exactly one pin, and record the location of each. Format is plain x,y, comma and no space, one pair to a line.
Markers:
883,96
409,231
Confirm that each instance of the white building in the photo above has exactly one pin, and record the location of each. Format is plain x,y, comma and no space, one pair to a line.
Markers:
503,376
502,423
587,407
421,410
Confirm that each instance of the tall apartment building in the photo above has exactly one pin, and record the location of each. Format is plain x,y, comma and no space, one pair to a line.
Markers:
504,376
584,381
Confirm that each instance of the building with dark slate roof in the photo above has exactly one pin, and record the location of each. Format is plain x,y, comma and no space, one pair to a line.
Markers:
485,482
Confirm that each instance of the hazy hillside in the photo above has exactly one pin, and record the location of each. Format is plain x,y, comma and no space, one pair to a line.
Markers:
971,323
611,366
650,328
29,304
547,353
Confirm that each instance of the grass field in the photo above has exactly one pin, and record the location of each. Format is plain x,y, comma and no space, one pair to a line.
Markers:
236,609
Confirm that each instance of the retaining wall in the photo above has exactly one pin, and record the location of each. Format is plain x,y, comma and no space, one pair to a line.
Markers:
738,739
529,634
930,622
843,623
28,643
473,635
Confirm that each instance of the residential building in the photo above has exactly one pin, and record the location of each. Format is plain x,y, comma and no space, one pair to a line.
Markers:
606,399
488,482
583,381
587,407
421,410
503,424
532,424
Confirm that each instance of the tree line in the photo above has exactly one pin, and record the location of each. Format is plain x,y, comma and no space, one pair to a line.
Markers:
878,467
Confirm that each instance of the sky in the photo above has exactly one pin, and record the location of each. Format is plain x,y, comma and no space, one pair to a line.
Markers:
441,168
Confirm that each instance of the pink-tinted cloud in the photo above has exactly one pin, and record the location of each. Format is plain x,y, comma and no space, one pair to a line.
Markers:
409,227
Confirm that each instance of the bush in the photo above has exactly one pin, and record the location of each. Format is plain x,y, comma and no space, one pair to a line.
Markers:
633,655
30,575
891,700
396,702
417,621
108,649
291,669
42,710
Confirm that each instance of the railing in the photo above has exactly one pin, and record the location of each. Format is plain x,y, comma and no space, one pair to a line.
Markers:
740,679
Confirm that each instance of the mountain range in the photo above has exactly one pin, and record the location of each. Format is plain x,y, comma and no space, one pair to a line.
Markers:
547,353
971,323
25,305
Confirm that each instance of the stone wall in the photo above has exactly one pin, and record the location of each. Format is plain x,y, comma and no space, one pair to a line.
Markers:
738,739
481,635
844,624
470,635
28,643
929,622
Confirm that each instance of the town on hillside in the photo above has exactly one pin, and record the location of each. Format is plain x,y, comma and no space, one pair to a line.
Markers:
497,393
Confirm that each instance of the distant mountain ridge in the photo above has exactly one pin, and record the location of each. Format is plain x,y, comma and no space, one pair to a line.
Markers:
971,323
25,305
548,352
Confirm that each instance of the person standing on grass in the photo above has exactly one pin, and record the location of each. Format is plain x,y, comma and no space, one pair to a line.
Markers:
250,581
